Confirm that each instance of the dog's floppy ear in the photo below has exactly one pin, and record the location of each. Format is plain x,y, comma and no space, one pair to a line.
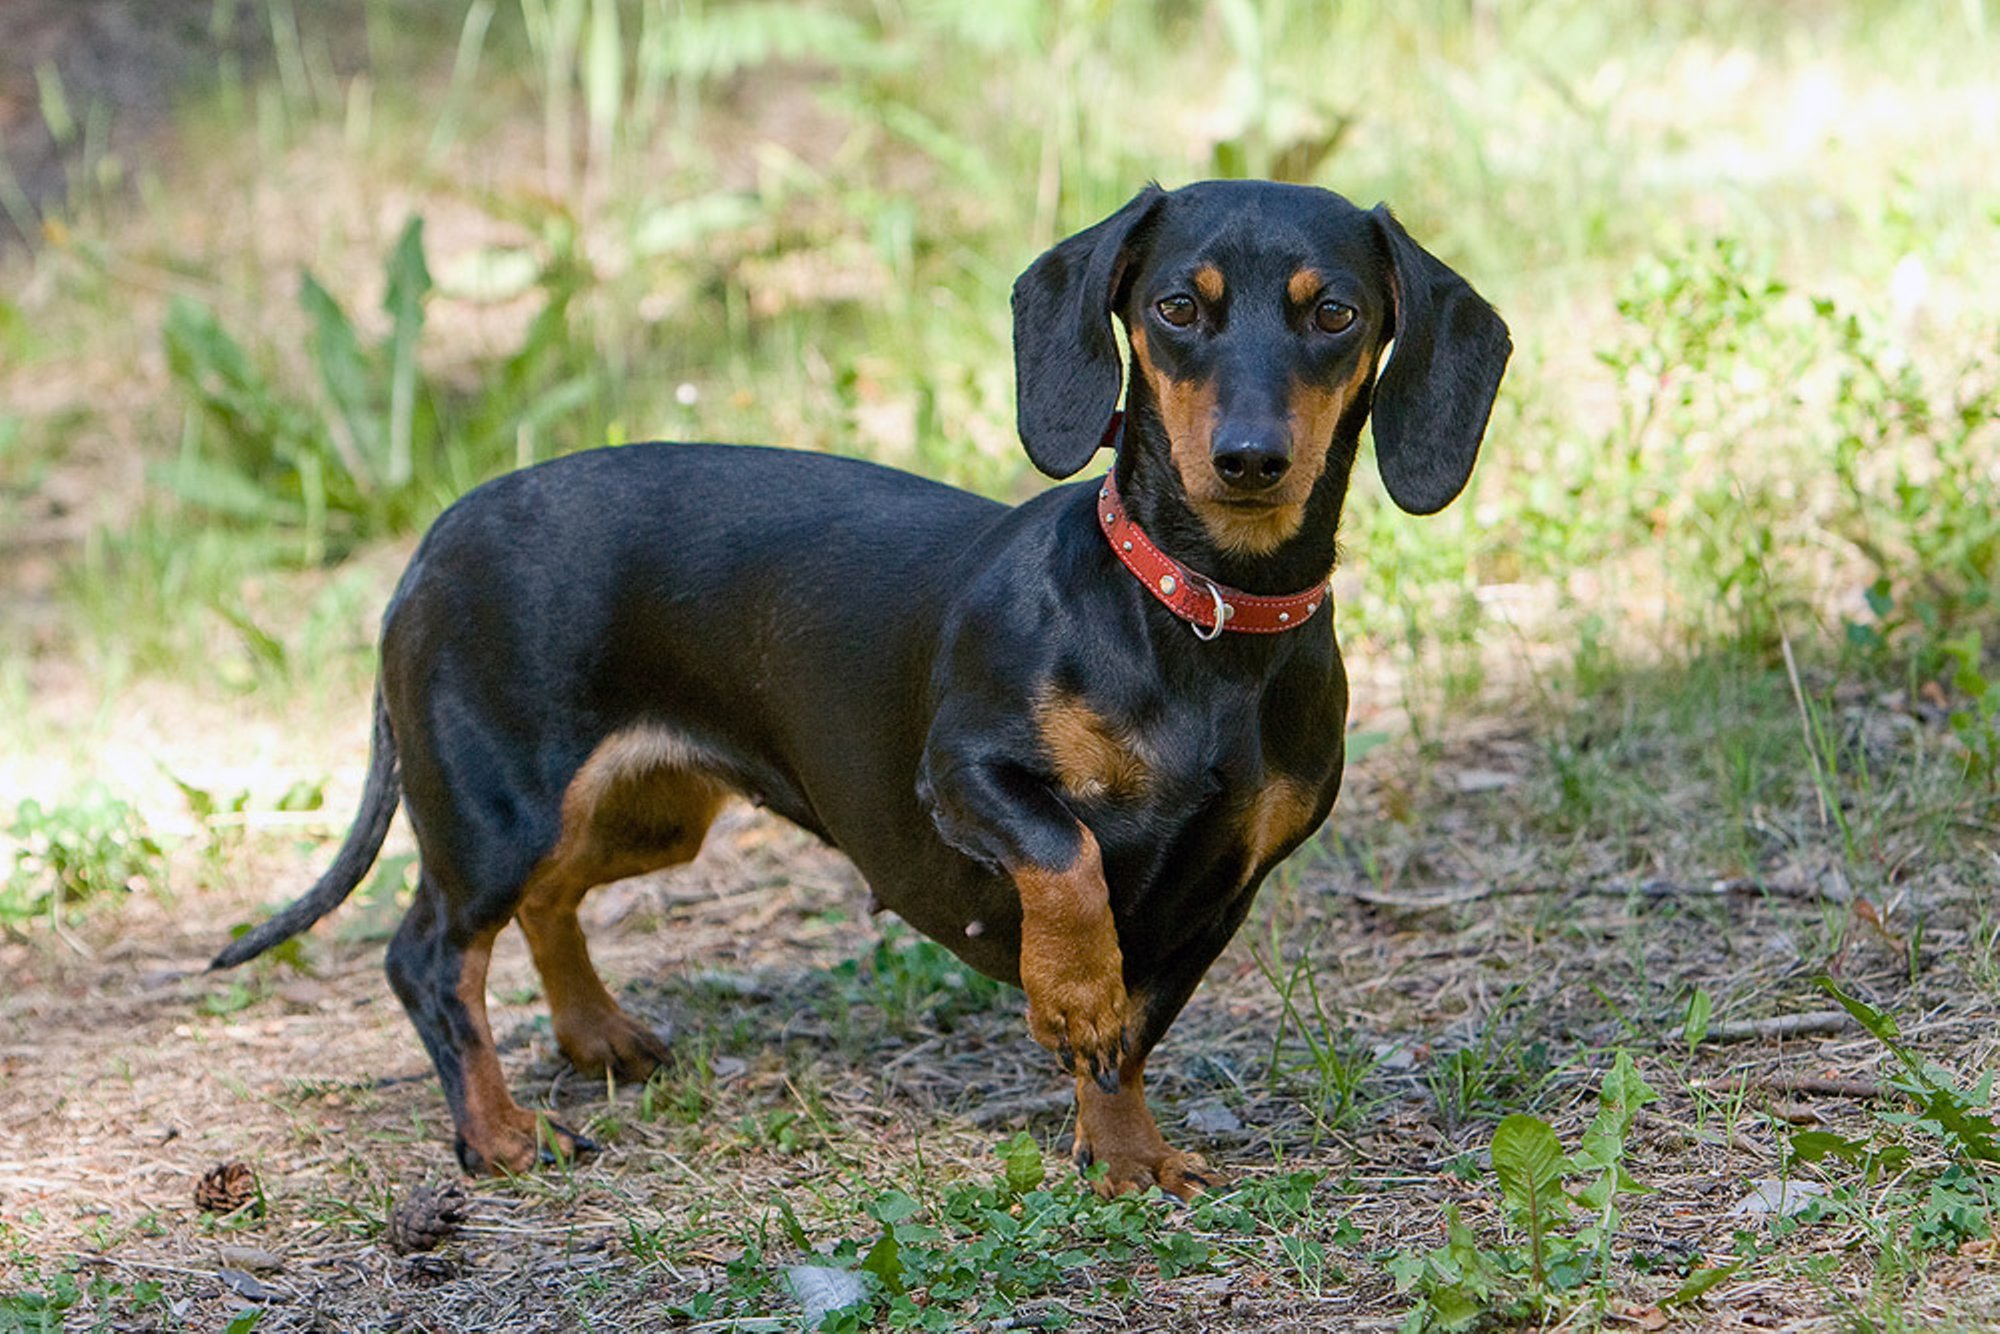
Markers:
1436,393
1066,374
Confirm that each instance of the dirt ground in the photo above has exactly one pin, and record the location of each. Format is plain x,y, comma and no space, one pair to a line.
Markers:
129,1073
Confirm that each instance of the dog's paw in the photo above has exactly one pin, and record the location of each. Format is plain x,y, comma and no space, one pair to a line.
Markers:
1117,1131
1074,974
1082,1019
612,1041
1177,1173
520,1144
1134,1161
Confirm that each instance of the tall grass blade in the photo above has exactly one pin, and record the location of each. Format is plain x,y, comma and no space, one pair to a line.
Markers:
603,80
464,74
409,284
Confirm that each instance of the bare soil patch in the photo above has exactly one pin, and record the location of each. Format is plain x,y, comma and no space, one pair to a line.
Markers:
129,1074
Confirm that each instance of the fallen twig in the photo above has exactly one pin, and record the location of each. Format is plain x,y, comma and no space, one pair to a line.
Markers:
1803,1086
1780,1026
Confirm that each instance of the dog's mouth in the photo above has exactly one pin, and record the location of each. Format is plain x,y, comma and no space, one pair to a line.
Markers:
1270,502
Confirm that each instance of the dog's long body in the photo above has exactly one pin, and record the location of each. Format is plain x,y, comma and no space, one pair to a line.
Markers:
1028,753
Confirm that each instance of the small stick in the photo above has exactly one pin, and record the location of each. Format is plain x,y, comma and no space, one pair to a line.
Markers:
1804,1086
1781,1026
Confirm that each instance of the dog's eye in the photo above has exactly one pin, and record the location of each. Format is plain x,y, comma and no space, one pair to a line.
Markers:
1177,310
1332,316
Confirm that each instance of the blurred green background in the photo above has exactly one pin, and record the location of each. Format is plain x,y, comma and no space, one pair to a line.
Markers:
289,277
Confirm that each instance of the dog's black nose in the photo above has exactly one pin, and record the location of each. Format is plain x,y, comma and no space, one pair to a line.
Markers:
1252,463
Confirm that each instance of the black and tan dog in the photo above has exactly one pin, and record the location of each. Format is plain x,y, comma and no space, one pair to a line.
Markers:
1067,740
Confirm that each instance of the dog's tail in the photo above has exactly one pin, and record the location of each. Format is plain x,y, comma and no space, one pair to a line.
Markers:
379,796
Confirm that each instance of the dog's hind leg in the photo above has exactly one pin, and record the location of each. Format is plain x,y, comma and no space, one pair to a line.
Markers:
637,804
438,970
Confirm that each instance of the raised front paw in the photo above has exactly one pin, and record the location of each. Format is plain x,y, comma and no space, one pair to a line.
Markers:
1074,974
1082,1019
1071,966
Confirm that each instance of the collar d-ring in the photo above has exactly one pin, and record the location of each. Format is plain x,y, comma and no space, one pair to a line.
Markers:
1222,610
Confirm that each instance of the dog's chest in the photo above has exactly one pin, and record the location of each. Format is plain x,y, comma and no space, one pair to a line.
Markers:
1178,794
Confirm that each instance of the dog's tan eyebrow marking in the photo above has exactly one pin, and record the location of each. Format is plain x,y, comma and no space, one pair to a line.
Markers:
1208,282
1305,284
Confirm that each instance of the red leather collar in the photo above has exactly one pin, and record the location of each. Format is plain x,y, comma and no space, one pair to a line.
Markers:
1196,598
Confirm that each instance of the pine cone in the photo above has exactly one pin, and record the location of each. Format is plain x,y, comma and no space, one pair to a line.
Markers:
426,1218
227,1187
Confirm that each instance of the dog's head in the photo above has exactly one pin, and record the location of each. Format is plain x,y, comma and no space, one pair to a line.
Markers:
1257,315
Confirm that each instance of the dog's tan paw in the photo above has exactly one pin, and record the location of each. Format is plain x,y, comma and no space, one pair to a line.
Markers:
1082,1020
1116,1129
612,1041
1175,1172
520,1142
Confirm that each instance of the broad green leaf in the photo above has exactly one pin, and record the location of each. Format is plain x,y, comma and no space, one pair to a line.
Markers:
1463,1260
1528,1159
894,1207
1023,1158
1970,1133
684,224
1455,1309
409,284
1812,1146
344,373
222,490
885,1261
1625,1091
1603,1148
1883,1026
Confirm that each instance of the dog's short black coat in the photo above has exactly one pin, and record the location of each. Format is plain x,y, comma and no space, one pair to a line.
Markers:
1028,756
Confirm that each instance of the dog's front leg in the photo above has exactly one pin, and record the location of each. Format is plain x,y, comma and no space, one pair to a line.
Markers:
1070,965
